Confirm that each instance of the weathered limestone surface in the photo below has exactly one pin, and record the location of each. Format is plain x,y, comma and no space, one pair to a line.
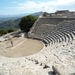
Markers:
52,60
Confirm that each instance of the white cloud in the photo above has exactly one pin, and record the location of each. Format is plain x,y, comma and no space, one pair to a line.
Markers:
50,6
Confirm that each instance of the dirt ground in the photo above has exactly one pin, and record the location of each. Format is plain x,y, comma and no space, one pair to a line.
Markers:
21,47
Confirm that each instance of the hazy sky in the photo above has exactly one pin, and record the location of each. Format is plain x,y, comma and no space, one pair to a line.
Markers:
9,7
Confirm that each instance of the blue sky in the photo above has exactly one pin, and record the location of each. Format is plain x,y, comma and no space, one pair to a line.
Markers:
10,7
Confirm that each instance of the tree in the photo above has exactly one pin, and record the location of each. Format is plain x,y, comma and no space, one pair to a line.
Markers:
27,22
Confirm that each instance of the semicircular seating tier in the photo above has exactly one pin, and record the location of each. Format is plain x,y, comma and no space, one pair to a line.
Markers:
54,28
64,32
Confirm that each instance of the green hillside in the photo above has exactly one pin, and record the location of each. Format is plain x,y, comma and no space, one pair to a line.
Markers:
14,23
10,24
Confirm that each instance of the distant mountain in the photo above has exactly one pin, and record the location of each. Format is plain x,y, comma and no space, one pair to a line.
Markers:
4,18
37,13
13,22
1,21
9,16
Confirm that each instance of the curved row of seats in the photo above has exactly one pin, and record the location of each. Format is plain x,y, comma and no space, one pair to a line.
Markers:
41,21
64,32
44,30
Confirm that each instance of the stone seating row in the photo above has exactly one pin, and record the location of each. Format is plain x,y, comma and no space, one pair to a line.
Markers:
54,21
64,32
59,37
46,21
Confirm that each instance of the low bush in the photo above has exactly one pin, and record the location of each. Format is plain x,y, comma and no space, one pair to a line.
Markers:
5,31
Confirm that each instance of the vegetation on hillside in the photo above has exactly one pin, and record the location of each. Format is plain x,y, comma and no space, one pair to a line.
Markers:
5,31
13,22
27,22
10,24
